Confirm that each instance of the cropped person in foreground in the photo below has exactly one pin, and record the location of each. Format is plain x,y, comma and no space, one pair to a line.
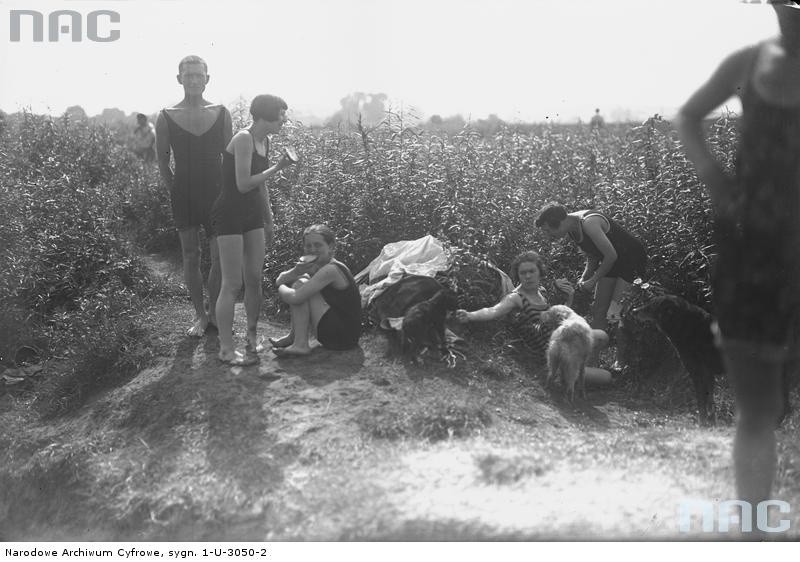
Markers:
757,232
242,221
527,302
323,298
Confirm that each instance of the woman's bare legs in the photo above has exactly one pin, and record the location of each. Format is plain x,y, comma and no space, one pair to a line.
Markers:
607,289
595,374
305,318
755,373
253,242
231,254
603,292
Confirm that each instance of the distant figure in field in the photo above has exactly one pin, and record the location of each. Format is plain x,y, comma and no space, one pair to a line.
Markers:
196,132
144,139
757,233
242,222
597,121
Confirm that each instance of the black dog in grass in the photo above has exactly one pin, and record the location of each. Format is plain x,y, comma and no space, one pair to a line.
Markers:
424,323
688,328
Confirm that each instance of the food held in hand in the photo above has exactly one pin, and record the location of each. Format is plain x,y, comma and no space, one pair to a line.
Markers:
291,154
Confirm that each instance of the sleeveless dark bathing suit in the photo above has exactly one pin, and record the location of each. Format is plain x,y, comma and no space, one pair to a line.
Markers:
757,276
235,212
631,255
198,174
340,326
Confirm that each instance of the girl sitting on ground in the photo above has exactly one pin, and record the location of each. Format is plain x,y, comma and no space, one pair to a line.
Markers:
528,302
323,298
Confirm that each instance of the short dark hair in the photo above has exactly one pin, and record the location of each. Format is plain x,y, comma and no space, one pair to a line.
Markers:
323,230
267,107
192,59
141,116
529,256
551,214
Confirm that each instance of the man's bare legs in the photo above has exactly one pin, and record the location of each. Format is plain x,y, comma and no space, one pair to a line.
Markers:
190,248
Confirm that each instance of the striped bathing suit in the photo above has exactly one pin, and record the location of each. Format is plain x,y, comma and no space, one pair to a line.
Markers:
526,323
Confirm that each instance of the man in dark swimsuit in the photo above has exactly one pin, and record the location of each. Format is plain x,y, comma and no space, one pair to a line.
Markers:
196,132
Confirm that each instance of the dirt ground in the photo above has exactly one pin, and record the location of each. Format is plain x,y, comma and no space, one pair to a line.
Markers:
357,445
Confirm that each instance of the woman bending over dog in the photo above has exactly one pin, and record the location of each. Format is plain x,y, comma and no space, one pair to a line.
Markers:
528,301
323,297
614,257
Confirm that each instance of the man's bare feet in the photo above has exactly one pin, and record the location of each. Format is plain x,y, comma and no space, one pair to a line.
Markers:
198,329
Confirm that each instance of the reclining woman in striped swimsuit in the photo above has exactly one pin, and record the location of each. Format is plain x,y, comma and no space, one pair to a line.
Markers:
528,301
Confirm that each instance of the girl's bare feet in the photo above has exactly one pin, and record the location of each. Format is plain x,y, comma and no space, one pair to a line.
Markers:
236,358
284,341
291,351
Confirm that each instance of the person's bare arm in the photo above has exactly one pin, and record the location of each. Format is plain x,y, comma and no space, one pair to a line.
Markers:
269,224
162,150
589,268
326,275
506,305
227,127
727,81
593,228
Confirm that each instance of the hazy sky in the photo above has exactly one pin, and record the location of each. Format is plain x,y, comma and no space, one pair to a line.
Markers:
521,59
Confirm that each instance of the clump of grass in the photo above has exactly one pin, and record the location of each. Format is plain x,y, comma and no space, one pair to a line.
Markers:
433,421
106,358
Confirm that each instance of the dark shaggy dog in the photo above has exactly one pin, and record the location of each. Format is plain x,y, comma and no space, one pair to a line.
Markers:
569,348
688,328
423,323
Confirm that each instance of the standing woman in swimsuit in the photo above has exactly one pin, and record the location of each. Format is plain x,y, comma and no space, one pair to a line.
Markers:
242,220
757,232
614,257
323,298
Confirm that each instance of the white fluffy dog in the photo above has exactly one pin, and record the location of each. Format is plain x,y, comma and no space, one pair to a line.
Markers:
569,348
